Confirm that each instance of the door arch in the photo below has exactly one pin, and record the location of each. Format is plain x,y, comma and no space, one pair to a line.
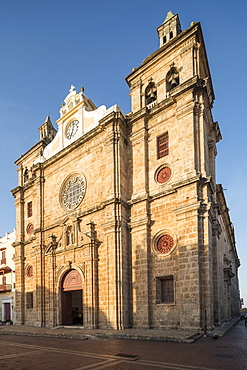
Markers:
72,298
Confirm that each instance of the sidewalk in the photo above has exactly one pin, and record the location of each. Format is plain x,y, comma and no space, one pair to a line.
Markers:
72,332
221,330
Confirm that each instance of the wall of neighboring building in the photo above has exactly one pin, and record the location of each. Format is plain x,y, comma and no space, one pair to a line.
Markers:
7,277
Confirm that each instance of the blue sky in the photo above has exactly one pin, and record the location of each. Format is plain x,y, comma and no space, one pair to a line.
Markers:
48,45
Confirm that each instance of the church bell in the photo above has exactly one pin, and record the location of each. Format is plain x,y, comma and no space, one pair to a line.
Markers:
174,83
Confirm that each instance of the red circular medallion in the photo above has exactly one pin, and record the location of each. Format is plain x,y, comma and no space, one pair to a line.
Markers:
165,243
164,175
30,229
30,271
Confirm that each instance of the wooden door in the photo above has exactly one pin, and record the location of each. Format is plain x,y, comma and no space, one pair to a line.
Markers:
67,308
7,311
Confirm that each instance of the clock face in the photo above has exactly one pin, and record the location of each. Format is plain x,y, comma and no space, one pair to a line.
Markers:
72,129
165,243
73,192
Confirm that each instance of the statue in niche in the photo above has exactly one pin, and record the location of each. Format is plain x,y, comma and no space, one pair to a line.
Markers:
25,175
69,235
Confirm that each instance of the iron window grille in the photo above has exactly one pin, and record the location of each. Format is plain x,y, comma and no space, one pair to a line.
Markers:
162,145
29,209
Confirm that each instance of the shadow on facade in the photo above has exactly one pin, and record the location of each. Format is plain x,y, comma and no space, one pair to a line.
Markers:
45,308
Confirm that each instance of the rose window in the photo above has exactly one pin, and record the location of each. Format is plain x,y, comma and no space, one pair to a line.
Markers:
73,192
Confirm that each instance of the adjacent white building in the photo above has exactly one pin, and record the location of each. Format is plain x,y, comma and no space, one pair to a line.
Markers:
7,277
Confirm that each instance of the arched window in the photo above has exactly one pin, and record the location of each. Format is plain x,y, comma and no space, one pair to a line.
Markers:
172,79
150,93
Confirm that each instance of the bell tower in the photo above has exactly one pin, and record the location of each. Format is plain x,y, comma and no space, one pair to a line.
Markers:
169,29
173,138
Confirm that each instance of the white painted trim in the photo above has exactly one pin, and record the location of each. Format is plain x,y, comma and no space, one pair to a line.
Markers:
7,300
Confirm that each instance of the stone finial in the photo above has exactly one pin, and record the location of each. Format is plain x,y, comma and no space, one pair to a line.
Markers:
48,120
168,16
47,131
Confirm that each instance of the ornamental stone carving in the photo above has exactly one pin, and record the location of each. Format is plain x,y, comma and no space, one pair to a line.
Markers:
163,175
165,243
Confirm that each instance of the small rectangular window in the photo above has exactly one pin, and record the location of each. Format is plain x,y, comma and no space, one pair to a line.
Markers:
29,209
29,300
165,289
162,145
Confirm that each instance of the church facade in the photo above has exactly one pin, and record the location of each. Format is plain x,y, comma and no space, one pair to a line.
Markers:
120,222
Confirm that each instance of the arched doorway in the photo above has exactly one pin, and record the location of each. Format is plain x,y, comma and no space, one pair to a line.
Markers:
72,296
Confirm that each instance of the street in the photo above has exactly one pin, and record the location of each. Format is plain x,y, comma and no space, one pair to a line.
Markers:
25,352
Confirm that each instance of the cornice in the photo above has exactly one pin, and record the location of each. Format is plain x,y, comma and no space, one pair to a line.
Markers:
78,214
16,190
140,223
33,149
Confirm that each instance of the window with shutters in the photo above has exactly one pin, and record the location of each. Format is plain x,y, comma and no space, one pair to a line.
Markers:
162,145
165,290
29,209
3,260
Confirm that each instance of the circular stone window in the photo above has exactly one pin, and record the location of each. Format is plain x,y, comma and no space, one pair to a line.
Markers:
165,244
73,191
30,229
163,175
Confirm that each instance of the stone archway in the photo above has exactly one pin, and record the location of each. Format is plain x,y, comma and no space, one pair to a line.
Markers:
72,298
